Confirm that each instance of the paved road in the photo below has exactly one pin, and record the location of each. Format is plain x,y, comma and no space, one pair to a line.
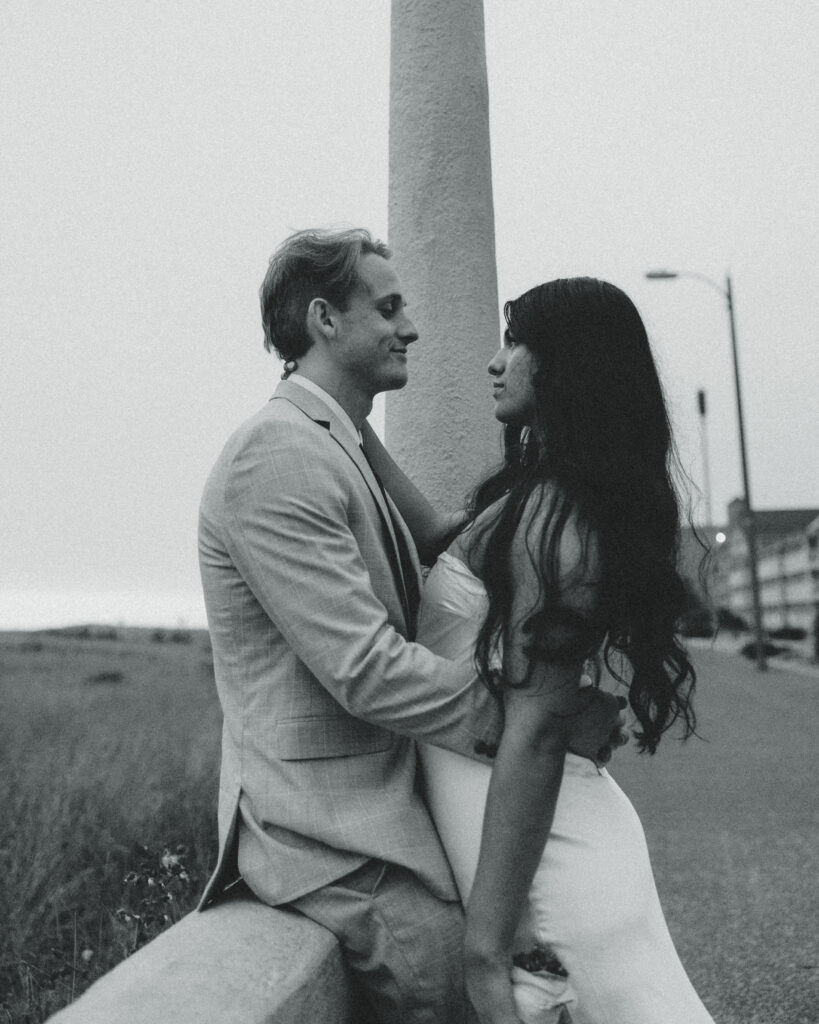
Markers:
732,823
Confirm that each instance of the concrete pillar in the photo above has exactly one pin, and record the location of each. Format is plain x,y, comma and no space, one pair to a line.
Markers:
441,427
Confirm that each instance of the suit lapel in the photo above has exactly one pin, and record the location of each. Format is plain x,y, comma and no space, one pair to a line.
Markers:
311,405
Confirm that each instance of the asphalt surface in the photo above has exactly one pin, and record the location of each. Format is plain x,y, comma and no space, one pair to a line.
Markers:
732,823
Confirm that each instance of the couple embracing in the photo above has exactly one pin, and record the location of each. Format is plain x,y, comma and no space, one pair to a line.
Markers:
392,756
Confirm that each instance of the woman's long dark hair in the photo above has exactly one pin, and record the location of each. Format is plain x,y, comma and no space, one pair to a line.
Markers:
599,452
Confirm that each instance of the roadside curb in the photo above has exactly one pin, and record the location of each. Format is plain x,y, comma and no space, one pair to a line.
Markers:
732,646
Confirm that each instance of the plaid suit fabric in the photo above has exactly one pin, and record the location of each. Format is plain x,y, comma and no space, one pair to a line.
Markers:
403,946
322,695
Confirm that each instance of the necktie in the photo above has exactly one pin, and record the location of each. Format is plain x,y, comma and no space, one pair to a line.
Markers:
402,566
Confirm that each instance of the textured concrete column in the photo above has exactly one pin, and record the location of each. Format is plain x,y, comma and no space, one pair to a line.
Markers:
441,427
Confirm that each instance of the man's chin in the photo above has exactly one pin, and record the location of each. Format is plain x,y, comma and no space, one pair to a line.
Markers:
396,382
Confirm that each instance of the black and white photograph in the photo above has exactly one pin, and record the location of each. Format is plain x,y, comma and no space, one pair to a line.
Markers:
410,512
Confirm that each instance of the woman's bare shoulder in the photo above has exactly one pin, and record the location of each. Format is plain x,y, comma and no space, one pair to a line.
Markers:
550,518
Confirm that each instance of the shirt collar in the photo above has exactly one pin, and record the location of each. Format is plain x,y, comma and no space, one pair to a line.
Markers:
313,388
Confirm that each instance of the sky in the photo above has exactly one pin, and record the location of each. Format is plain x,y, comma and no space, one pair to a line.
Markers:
153,155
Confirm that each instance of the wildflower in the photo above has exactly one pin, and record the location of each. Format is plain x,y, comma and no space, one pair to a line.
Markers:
87,955
123,914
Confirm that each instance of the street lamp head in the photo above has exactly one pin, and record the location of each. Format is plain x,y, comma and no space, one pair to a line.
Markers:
667,275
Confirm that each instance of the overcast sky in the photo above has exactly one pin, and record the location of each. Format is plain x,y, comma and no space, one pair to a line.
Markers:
154,154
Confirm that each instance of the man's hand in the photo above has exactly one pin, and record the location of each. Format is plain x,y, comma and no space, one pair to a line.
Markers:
600,729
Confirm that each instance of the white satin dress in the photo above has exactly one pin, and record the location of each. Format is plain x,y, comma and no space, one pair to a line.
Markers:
593,901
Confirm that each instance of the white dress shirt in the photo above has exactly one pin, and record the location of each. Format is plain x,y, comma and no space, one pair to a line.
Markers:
309,385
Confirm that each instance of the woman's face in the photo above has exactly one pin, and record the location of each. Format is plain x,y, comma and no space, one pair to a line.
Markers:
511,371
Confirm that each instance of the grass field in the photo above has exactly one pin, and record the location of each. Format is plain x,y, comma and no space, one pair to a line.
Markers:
108,757
110,744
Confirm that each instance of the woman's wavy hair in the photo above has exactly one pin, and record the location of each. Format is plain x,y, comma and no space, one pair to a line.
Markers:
600,453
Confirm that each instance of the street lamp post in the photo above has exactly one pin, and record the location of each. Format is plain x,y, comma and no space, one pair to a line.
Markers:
750,523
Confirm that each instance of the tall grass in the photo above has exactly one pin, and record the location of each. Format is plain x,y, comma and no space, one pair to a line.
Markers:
108,759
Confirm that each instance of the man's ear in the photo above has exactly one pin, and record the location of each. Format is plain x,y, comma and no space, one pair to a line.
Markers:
322,318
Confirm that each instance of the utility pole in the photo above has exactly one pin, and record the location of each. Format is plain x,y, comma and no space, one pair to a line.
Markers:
706,471
749,523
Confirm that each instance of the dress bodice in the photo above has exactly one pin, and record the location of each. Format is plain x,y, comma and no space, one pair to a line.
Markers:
453,608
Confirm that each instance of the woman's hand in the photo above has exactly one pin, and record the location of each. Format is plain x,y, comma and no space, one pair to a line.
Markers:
489,990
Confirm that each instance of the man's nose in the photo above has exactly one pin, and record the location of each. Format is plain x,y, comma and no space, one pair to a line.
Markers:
407,331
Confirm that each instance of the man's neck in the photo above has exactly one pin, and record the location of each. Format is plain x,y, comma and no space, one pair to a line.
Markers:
357,406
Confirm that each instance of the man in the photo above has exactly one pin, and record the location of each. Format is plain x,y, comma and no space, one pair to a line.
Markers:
311,581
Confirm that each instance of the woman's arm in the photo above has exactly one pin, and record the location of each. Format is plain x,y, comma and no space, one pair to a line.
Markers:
430,529
526,777
520,808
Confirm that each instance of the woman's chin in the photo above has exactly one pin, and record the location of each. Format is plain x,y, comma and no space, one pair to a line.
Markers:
508,419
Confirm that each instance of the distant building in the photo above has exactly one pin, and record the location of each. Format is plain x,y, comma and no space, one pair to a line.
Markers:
787,564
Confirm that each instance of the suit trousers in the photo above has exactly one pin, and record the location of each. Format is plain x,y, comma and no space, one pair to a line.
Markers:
402,945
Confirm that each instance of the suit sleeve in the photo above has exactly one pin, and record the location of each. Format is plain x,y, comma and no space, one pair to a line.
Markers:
287,509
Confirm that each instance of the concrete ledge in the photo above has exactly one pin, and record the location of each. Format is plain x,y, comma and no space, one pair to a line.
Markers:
240,962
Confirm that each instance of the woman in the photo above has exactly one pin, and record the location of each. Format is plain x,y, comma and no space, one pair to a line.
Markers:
566,561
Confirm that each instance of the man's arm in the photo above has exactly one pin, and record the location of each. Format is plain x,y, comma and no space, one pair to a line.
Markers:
287,502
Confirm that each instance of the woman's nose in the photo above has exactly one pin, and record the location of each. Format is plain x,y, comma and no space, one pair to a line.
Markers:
496,364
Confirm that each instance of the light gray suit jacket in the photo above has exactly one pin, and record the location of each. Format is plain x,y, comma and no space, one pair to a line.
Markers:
322,694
